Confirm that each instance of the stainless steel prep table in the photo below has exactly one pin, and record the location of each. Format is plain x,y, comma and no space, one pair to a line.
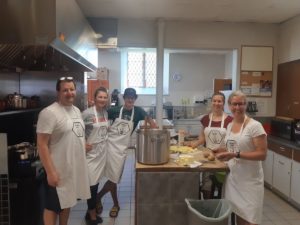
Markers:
161,190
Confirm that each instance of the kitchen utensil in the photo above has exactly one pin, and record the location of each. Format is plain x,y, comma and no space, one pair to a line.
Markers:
153,146
14,101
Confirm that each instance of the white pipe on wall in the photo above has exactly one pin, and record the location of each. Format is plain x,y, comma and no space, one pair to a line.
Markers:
159,72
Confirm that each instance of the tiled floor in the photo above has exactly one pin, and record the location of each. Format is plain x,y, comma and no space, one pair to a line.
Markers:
278,212
125,195
275,212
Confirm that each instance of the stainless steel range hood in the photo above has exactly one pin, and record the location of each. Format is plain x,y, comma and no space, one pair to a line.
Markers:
46,35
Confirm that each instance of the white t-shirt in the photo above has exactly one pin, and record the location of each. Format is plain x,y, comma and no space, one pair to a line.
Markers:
67,150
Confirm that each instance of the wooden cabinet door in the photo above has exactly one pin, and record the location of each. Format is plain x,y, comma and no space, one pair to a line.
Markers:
283,91
295,182
288,80
268,168
282,174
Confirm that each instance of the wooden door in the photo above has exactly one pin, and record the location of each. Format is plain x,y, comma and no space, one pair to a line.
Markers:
222,84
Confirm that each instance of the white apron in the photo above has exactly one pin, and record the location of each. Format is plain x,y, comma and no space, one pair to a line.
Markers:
244,184
68,156
96,157
117,142
214,136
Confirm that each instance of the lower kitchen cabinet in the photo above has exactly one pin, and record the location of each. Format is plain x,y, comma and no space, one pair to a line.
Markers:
295,181
284,177
268,167
282,174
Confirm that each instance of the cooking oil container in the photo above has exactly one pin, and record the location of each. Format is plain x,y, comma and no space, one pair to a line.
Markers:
153,146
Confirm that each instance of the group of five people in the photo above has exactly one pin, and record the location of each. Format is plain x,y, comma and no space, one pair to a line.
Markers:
78,150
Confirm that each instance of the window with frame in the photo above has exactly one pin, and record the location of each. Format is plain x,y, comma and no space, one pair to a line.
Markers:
141,69
138,70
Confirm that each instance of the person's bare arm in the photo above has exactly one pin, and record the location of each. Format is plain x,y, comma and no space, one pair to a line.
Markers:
259,152
42,145
196,143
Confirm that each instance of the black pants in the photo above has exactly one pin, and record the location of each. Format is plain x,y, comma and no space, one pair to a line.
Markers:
92,201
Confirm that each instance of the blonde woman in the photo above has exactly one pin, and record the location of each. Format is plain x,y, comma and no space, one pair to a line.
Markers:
246,147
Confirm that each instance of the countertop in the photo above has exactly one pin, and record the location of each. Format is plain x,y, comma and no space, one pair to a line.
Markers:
288,143
213,166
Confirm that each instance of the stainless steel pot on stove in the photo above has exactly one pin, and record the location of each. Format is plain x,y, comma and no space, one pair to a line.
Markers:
14,101
153,146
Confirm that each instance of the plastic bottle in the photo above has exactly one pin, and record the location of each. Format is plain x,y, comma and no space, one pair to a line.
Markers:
181,134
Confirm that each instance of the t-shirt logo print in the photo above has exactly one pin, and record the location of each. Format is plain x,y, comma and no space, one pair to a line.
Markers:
215,137
78,129
123,128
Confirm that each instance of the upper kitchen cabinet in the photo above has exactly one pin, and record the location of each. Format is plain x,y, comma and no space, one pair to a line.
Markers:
257,70
288,99
257,58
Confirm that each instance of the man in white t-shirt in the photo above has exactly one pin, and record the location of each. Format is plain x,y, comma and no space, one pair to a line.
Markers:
61,146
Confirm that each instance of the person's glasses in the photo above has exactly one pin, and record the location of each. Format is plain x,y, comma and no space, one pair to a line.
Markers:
66,78
237,103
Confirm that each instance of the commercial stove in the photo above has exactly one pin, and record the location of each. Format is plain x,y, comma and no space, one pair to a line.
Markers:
22,188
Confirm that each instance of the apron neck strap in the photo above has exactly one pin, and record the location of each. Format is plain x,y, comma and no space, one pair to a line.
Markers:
211,117
121,112
243,125
96,115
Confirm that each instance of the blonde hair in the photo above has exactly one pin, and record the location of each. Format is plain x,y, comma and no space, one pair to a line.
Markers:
238,93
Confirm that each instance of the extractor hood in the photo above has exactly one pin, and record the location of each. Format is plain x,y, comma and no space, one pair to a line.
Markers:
106,29
46,35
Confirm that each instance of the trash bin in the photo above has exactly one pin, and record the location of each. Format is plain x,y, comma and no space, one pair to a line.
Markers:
208,212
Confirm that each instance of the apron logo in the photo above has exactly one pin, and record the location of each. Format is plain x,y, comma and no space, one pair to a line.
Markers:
215,137
78,129
102,132
232,146
123,128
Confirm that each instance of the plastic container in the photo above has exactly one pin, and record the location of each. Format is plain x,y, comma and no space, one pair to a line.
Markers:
208,212
181,135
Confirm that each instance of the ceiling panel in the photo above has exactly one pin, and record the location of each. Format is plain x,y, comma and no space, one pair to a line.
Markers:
263,11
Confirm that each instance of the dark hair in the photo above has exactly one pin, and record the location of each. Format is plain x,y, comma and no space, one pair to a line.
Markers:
66,80
219,94
100,89
130,92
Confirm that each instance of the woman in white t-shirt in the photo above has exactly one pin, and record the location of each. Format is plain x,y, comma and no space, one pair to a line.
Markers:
246,148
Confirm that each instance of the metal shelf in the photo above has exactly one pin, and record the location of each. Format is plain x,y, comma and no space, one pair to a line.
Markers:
13,112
